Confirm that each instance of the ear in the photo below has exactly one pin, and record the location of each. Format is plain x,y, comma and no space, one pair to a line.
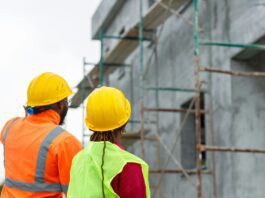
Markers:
60,105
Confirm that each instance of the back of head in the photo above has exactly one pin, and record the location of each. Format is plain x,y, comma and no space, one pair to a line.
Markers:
107,109
47,88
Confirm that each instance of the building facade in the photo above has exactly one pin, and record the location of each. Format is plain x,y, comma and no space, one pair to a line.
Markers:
231,34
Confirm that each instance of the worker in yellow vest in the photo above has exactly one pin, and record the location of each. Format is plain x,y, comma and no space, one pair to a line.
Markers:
104,168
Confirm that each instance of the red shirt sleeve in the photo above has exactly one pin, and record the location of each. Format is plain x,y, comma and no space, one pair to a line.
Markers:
130,182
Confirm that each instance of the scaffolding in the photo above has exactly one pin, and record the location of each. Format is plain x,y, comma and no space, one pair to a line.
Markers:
135,37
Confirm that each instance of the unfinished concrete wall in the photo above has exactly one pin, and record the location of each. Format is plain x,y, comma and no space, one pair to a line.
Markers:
237,174
237,101
104,15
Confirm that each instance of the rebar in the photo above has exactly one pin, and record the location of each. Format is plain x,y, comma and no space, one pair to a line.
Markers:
141,61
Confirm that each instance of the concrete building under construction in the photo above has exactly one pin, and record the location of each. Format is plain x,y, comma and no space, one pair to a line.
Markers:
193,71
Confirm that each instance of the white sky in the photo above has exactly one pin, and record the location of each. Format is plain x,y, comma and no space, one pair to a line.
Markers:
38,36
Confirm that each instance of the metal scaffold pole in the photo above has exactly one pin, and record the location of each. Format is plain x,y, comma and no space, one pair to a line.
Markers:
83,108
141,61
132,97
158,192
101,65
210,102
197,98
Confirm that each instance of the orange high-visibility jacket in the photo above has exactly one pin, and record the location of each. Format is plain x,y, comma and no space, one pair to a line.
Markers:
38,156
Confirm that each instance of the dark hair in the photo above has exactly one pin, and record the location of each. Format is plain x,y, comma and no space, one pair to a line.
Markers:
103,136
106,135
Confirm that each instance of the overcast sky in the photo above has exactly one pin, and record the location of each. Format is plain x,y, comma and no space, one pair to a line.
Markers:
38,36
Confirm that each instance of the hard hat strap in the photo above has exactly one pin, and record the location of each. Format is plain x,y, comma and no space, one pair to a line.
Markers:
37,110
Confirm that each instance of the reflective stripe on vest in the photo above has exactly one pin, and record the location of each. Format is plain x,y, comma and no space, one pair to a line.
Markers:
5,135
8,127
38,185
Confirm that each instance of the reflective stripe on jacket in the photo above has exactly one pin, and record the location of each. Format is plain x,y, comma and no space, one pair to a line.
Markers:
86,176
38,155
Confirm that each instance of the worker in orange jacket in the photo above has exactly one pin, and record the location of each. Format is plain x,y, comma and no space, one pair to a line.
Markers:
38,153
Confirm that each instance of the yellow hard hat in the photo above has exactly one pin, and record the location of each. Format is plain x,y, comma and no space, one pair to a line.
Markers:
107,109
47,88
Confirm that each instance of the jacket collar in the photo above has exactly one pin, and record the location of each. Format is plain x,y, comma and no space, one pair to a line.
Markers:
46,116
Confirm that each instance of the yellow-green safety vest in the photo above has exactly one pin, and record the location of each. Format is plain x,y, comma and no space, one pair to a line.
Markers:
86,176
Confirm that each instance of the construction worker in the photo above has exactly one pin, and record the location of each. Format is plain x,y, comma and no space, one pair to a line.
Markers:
38,153
104,168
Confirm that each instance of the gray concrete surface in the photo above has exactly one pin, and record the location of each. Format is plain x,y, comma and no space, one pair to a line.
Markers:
103,16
